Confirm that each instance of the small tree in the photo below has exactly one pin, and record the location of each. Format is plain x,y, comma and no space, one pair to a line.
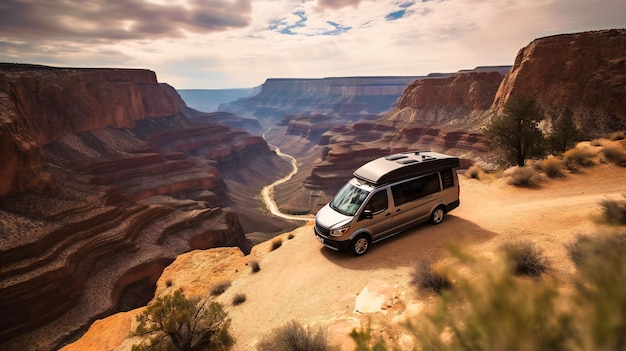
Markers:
516,132
565,133
174,322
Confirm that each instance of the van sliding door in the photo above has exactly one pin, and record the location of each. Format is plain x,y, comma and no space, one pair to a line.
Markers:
413,200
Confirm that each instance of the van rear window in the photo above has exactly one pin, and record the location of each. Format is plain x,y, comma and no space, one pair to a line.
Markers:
447,180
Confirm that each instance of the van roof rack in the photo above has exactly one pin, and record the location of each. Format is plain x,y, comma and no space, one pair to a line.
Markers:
394,167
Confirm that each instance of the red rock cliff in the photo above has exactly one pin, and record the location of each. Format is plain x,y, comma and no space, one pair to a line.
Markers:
41,104
583,72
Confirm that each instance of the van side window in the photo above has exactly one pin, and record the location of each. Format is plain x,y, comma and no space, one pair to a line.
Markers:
447,179
378,203
415,189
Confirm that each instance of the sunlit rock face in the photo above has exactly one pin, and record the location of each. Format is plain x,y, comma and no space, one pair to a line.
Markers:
582,73
104,181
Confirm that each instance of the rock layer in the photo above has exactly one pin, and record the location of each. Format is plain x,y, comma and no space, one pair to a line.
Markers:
104,180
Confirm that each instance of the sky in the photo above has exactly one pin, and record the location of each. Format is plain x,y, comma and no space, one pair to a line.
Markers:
221,44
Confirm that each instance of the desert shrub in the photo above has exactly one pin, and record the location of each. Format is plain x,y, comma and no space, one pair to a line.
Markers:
599,296
254,265
615,155
429,277
523,176
290,236
573,159
294,337
552,167
524,258
220,288
474,172
175,322
169,283
238,299
614,211
276,244
618,136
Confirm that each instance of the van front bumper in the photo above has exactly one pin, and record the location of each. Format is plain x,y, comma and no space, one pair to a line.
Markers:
329,243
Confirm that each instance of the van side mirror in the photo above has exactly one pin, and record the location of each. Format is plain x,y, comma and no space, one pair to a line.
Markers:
367,214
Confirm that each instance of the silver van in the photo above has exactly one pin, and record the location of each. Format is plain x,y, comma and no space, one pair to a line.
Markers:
386,196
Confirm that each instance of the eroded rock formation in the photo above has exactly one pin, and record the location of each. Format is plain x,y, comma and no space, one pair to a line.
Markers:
104,181
584,73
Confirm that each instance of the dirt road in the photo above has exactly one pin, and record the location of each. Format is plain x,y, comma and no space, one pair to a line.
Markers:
304,281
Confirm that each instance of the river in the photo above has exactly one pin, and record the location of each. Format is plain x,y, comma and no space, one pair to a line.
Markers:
268,190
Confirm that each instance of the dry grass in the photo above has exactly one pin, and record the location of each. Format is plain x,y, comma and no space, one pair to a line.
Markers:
524,258
294,337
238,299
429,277
276,243
254,265
614,154
220,288
613,211
523,176
574,159
552,167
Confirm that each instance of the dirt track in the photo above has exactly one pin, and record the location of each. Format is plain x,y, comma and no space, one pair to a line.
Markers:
306,282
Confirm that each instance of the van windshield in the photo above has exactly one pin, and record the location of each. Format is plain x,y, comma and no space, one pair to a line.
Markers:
348,199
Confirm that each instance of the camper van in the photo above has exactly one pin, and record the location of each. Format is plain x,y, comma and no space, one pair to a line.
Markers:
386,196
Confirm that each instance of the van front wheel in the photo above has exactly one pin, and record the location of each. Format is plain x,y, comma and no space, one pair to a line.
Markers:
360,244
437,216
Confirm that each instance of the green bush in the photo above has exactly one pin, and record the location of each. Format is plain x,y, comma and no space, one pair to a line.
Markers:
427,277
294,337
523,176
524,258
175,322
573,159
614,154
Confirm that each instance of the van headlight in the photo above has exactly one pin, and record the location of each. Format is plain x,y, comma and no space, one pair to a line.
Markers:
339,232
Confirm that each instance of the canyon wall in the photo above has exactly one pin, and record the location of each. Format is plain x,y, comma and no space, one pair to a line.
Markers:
584,73
351,97
106,178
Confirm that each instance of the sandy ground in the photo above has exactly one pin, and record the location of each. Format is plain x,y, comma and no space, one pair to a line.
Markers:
303,281
306,282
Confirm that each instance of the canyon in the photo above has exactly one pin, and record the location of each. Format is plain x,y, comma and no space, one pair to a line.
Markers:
107,176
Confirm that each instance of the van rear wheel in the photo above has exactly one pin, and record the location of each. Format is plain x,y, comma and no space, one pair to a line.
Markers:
360,244
437,216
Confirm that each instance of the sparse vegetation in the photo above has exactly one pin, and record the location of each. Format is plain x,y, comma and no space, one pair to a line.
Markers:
294,337
576,158
276,243
254,266
552,167
474,172
169,283
614,154
495,310
290,236
429,277
220,288
614,211
524,258
238,299
565,133
523,176
516,132
175,322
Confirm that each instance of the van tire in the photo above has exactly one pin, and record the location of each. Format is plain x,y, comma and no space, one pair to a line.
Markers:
438,214
360,245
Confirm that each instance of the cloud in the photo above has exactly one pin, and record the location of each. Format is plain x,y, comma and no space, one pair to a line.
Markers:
104,20
335,4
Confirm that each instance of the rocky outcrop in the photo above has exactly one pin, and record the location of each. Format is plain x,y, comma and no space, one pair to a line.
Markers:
584,73
104,182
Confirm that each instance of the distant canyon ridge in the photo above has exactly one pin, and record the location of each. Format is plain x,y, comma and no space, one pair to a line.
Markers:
106,175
